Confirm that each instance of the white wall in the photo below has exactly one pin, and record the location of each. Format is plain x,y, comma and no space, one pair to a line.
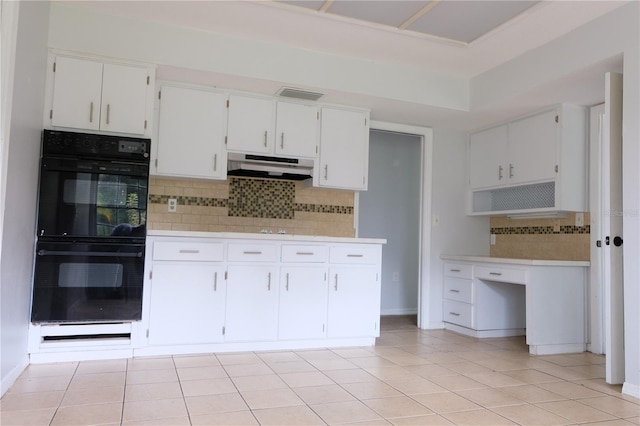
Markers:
16,263
456,233
603,38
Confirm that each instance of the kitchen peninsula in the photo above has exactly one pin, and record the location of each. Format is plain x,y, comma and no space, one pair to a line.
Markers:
492,297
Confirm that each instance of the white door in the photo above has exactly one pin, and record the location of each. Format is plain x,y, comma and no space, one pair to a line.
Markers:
296,129
354,302
191,130
303,302
606,204
250,124
124,99
77,91
488,157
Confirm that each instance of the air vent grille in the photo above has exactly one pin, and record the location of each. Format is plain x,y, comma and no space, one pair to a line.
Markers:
289,92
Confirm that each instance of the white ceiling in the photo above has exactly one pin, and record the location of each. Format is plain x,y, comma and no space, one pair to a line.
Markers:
459,38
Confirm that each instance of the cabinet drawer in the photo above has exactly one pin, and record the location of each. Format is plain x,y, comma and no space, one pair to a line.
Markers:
302,253
200,252
458,313
458,289
518,276
458,270
252,252
360,254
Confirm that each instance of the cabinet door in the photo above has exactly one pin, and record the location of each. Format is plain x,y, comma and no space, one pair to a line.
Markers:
296,130
252,303
77,88
187,304
124,99
533,145
250,124
191,131
488,158
344,149
303,302
354,302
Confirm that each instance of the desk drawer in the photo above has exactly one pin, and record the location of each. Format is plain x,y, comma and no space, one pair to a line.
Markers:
506,275
302,253
458,270
458,289
458,313
252,252
187,251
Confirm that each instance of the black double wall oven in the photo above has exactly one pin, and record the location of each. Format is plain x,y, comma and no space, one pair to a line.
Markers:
91,228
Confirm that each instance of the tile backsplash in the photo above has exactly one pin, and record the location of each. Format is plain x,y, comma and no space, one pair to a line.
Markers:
554,239
250,205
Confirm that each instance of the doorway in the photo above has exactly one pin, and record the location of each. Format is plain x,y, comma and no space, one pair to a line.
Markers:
391,209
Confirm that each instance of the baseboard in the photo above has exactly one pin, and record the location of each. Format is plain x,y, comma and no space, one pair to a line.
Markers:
13,375
400,311
631,390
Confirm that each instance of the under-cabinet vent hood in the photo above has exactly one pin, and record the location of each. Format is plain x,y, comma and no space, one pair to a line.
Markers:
252,165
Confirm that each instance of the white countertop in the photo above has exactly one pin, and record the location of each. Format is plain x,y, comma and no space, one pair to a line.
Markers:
269,237
527,262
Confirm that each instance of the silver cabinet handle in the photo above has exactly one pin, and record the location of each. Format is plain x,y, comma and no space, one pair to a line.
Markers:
355,255
454,270
335,287
287,284
454,314
108,110
215,162
500,170
91,112
304,253
282,141
265,138
326,171
187,251
215,281
510,171
252,252
269,281
454,291
495,273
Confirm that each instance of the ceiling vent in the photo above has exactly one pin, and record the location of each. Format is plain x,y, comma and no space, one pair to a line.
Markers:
289,92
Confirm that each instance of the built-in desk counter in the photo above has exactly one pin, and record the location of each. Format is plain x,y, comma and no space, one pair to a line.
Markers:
494,297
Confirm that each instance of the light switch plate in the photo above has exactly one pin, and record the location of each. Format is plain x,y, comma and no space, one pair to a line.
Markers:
579,219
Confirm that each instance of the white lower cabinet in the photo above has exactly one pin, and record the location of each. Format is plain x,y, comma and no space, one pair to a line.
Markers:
354,301
252,303
224,294
303,302
187,304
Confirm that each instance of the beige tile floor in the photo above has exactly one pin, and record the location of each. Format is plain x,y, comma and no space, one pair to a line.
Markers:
411,377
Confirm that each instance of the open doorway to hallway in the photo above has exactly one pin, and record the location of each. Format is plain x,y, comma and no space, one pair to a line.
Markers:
391,209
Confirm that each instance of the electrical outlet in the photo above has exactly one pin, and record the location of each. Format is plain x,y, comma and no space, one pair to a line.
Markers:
172,205
395,277
579,219
493,239
436,220
556,225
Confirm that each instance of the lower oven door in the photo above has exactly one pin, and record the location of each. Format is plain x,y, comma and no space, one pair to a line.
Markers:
87,282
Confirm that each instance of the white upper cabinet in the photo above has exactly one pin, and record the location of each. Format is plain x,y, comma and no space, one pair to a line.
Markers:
264,126
536,163
192,126
94,95
533,148
296,129
344,149
251,124
488,157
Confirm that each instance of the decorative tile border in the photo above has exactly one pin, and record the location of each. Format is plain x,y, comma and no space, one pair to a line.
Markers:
541,230
257,198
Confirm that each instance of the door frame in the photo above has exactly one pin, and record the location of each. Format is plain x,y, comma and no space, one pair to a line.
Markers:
426,167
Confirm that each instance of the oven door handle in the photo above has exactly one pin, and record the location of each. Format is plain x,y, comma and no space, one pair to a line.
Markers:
87,254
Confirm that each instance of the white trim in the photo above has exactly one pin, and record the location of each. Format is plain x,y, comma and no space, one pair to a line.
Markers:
424,289
631,390
399,311
11,377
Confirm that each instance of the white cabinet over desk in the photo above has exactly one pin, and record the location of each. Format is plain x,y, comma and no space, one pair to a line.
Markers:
493,297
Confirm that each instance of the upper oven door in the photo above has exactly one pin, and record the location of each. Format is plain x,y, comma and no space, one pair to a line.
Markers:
92,198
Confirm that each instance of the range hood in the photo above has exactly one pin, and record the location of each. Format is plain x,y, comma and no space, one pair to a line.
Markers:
252,165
